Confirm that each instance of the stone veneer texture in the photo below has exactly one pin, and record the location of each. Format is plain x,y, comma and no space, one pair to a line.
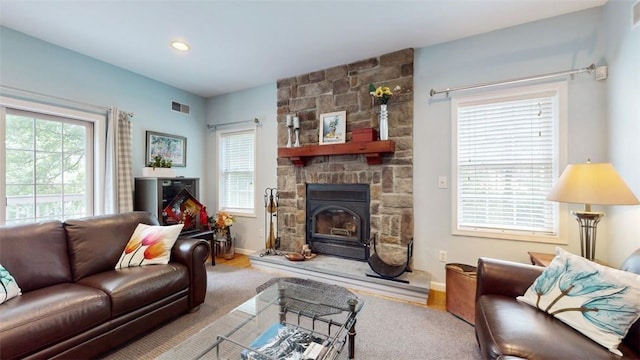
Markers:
346,88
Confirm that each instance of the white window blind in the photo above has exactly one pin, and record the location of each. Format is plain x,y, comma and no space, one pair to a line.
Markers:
237,168
506,160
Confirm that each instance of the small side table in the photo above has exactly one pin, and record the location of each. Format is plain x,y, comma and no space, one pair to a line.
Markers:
544,259
541,259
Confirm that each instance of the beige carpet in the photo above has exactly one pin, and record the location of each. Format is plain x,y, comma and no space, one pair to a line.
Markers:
386,330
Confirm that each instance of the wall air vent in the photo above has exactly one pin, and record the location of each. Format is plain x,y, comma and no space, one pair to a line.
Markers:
183,108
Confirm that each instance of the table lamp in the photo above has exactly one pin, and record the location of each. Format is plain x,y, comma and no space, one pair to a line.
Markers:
598,184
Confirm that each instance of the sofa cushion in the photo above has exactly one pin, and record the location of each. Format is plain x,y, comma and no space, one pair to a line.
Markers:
599,301
36,255
134,287
632,263
46,316
512,328
9,288
106,235
149,245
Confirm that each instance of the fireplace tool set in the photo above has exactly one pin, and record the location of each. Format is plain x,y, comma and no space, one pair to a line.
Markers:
271,198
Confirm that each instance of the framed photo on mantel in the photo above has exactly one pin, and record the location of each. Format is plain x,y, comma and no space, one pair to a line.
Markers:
170,147
333,127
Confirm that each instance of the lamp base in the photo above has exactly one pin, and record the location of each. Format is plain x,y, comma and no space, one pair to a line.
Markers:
588,228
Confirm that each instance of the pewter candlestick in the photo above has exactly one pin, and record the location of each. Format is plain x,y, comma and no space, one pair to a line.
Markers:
296,126
289,129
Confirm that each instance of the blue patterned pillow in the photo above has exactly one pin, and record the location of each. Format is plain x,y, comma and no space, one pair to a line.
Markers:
10,288
600,302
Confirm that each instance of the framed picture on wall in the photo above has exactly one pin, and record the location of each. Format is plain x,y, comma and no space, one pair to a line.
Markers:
171,147
333,127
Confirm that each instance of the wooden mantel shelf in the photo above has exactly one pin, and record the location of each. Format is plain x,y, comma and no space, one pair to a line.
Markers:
372,150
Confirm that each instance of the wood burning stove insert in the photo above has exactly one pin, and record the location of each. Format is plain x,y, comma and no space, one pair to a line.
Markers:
338,220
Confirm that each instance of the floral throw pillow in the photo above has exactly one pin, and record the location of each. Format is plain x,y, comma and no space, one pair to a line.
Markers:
149,245
600,302
10,288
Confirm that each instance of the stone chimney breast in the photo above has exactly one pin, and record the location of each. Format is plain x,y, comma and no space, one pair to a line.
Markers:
346,88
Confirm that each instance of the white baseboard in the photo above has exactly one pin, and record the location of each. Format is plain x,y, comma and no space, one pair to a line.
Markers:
438,286
245,251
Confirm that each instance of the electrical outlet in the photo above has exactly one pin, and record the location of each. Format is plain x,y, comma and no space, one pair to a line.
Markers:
443,256
442,182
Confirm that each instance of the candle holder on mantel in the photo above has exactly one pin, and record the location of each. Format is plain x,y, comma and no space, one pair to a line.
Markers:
289,130
296,127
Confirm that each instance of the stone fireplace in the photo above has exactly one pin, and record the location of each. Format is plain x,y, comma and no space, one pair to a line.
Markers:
338,219
389,182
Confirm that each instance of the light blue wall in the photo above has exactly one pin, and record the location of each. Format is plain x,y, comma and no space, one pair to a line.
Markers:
623,112
259,102
551,45
31,64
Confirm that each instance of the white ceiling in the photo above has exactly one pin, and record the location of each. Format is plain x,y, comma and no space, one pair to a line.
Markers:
241,44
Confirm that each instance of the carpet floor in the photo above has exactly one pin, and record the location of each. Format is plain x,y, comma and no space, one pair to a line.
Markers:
386,330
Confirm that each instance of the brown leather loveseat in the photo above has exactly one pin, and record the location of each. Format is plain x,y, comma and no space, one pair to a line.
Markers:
73,303
509,329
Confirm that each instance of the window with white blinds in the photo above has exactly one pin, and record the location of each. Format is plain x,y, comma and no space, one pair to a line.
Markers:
506,158
236,171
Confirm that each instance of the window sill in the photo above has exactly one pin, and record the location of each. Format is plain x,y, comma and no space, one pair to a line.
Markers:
513,236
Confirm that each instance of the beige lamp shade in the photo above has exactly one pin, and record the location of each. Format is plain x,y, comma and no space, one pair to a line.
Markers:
597,183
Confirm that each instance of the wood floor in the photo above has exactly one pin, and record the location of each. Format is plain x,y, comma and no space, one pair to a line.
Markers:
240,260
436,299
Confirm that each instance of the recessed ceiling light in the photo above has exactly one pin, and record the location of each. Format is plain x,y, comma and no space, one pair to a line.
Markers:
179,45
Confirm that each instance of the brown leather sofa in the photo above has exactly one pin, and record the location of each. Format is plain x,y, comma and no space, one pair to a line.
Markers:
509,329
74,305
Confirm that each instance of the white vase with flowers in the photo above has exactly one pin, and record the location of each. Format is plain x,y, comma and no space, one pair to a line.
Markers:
382,94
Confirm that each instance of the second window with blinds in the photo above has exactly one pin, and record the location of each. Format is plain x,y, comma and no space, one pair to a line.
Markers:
236,171
506,155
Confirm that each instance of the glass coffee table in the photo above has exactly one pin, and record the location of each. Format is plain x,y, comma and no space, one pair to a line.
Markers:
297,320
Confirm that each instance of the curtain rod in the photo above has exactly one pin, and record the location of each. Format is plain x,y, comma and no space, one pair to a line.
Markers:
588,69
215,126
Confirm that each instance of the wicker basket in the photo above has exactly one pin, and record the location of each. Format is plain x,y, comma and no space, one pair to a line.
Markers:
461,291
